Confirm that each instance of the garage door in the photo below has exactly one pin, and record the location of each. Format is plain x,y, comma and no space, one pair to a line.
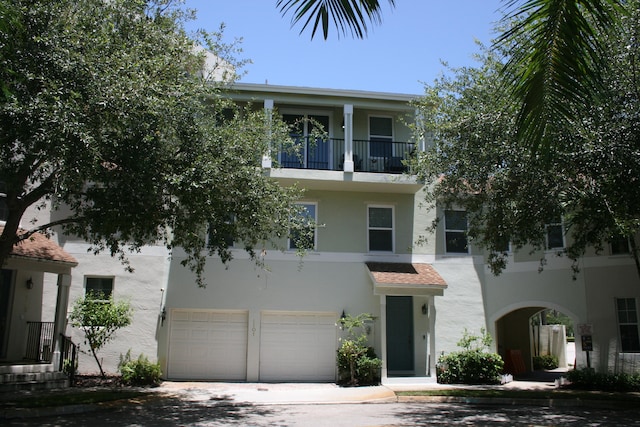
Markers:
208,345
298,346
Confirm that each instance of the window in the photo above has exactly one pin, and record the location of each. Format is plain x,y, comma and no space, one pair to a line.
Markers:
380,225
100,287
4,210
555,235
619,245
311,154
380,136
628,325
455,231
309,216
222,237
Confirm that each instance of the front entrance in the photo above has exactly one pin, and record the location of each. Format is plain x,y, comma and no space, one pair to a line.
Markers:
400,346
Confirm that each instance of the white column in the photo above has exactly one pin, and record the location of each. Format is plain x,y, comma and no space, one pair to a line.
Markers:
268,109
348,138
432,356
383,336
62,304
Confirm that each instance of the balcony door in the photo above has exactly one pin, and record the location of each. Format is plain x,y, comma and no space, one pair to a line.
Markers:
311,153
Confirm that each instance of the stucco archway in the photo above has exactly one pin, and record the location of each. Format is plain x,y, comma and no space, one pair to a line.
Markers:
511,330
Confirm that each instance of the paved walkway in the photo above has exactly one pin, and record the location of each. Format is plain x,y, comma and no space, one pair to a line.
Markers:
292,393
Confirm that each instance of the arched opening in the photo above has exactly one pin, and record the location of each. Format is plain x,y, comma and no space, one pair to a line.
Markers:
536,341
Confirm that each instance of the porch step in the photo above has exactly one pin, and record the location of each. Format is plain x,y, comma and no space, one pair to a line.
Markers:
32,381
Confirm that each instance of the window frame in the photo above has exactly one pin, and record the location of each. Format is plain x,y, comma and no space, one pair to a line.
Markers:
392,228
290,242
628,322
4,209
376,139
98,277
464,231
230,242
547,231
617,241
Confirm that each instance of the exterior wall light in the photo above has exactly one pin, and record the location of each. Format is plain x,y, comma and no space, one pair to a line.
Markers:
29,283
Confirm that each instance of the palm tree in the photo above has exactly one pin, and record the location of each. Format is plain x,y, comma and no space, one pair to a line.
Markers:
349,16
556,58
555,50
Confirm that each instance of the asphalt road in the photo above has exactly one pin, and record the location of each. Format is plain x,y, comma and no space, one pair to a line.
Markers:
176,412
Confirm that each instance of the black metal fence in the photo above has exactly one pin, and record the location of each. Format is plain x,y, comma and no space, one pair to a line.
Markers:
68,358
39,341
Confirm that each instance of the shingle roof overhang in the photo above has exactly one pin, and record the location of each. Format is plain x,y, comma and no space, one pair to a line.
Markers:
405,279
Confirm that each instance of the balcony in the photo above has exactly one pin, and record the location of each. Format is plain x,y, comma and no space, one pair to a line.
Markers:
376,155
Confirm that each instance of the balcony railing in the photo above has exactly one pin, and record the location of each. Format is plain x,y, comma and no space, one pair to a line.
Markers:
39,341
379,155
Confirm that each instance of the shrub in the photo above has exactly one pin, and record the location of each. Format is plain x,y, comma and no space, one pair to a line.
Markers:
358,363
139,372
469,367
547,361
588,379
472,365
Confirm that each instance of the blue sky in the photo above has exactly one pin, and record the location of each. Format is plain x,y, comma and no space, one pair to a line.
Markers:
398,56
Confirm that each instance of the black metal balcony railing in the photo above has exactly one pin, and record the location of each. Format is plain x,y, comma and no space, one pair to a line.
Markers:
39,341
379,155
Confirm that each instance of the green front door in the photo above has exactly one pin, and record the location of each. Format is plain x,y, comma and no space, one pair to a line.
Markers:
400,346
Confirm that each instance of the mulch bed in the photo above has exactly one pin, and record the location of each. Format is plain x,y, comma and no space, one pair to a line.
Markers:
86,381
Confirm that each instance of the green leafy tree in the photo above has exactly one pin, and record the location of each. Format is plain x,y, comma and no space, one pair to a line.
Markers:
99,319
110,117
510,192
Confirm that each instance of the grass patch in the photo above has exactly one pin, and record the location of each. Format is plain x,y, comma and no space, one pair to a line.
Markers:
528,394
71,398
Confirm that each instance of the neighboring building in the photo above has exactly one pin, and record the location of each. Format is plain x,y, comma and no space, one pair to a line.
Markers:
279,323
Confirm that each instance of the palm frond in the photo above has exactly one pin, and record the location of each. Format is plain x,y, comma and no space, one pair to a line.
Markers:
348,16
557,55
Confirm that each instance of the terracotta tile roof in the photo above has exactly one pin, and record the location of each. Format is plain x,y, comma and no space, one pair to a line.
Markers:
405,274
38,246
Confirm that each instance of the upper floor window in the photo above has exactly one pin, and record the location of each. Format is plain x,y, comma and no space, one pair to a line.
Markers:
307,238
220,237
455,231
99,287
380,136
628,325
619,245
4,210
555,235
380,226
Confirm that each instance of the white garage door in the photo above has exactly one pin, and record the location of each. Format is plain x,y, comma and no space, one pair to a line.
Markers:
298,346
208,345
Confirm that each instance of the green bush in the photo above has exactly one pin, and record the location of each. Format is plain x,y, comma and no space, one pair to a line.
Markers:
469,367
588,379
139,372
548,361
472,365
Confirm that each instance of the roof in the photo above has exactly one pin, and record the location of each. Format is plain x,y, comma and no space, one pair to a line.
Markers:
406,278
40,247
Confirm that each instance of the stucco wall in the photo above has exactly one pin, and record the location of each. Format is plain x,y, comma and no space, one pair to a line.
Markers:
143,290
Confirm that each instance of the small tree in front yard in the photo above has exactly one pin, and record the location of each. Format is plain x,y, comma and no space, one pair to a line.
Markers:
357,362
99,318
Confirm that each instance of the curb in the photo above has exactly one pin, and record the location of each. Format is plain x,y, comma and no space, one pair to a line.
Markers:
506,401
